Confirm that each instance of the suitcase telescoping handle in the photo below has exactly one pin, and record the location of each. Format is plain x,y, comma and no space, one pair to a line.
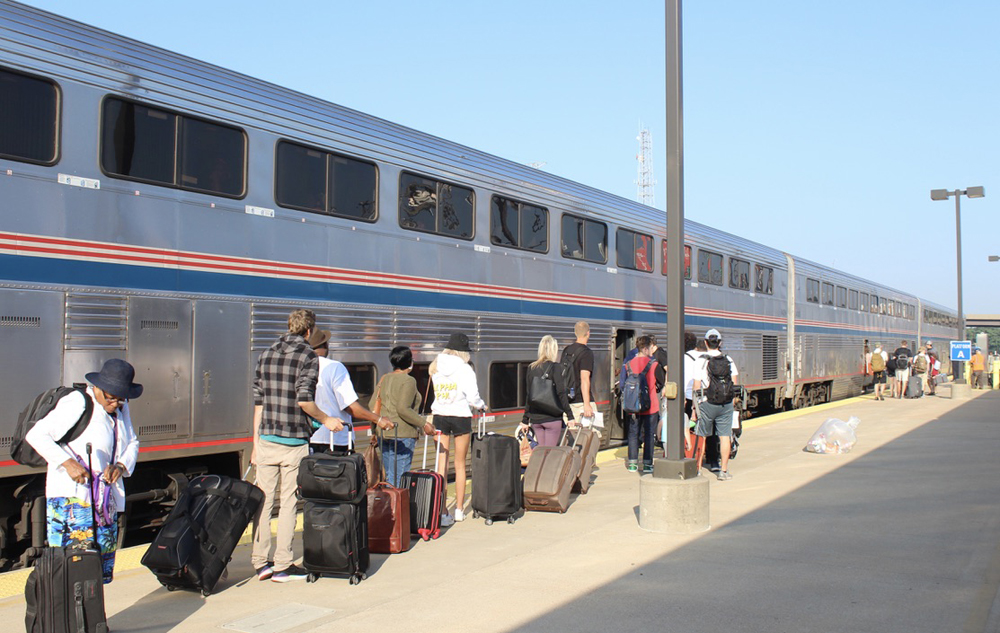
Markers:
350,437
437,454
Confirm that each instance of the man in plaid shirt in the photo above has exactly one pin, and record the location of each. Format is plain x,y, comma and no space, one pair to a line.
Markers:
285,416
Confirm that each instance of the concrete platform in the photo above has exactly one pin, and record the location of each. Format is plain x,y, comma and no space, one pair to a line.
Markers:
900,535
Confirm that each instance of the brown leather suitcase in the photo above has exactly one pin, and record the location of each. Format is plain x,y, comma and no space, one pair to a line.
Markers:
587,443
549,478
388,519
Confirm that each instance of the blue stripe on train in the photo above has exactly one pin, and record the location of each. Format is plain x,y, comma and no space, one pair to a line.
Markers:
72,272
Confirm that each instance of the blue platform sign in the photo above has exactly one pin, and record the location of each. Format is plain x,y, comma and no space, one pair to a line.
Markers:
961,350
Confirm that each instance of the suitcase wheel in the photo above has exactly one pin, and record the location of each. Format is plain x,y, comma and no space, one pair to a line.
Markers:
357,579
171,587
206,593
311,578
489,521
510,520
475,515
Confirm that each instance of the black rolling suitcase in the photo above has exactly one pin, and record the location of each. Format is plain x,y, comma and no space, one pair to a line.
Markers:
65,591
195,544
496,475
335,540
426,491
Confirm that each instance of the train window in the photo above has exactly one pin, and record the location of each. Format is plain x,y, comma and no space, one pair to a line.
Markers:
437,207
883,305
153,145
709,267
812,290
874,304
584,239
863,304
827,293
321,182
687,259
31,118
764,279
841,297
634,250
852,299
420,374
519,225
913,312
363,379
506,380
739,274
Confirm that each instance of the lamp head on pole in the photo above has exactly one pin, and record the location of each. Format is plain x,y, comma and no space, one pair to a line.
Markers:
995,258
939,194
976,192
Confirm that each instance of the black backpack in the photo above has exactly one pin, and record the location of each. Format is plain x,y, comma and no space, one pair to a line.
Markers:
565,374
720,380
902,361
21,451
635,393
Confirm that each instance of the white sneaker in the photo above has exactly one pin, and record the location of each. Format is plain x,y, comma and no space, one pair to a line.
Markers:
446,520
459,515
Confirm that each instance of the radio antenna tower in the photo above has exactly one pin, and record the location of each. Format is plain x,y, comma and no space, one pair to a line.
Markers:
646,191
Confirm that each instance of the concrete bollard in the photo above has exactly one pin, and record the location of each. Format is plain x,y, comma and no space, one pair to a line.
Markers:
673,506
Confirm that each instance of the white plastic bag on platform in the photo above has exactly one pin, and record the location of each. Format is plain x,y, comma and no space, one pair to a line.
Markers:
834,436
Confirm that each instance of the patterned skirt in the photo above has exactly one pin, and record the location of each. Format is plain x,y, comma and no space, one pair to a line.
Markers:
70,524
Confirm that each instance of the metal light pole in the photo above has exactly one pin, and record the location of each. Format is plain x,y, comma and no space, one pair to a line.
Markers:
944,194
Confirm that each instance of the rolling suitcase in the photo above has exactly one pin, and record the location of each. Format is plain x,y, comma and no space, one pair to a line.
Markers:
65,591
388,516
426,492
588,443
496,475
335,540
550,476
195,544
914,387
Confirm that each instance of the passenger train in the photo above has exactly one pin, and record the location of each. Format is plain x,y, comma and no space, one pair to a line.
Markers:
172,213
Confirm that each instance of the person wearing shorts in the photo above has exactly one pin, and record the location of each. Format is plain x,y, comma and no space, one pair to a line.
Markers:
713,419
456,395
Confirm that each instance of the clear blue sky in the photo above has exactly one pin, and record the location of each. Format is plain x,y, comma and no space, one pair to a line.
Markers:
818,128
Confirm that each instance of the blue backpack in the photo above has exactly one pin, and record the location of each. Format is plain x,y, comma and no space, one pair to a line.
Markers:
635,393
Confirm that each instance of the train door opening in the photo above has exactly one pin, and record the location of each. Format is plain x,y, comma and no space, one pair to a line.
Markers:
624,341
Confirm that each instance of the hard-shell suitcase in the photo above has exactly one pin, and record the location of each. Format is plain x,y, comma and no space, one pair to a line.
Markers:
64,592
333,478
587,443
426,491
195,544
549,477
914,387
388,519
496,475
335,540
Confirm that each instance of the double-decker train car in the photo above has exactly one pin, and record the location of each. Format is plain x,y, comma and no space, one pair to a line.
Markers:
169,212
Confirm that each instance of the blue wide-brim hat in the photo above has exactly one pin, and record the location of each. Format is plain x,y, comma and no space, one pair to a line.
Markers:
116,378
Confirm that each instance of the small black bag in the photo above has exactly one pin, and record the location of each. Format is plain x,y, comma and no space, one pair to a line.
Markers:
333,478
542,394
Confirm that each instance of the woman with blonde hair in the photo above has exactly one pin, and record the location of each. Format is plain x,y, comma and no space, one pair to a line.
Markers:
545,414
456,394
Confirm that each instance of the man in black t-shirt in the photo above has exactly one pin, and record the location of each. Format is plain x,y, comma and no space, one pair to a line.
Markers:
903,356
582,400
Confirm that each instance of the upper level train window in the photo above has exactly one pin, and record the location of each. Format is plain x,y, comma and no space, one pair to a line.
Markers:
841,297
584,239
827,293
634,250
321,182
852,299
437,207
739,274
763,279
687,259
153,145
874,304
30,120
812,290
863,305
883,307
709,267
519,225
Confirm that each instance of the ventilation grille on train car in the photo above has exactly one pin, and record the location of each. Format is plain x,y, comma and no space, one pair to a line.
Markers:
158,429
352,328
147,324
20,321
6,441
769,357
95,321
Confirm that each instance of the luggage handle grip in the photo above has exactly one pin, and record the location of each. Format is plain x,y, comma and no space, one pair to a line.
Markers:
327,470
437,454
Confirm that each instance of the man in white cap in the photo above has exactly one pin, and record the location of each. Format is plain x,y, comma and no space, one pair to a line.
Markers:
714,386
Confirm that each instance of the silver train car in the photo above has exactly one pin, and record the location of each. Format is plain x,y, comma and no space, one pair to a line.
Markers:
170,212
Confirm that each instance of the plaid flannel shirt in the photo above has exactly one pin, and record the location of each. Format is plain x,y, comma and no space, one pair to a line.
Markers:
286,375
